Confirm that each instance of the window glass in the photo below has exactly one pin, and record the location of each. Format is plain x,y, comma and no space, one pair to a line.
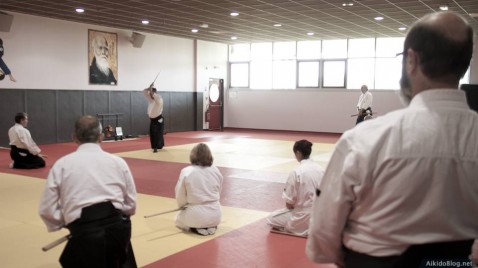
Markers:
361,48
309,74
239,74
308,50
389,47
261,51
284,50
239,52
334,74
261,75
360,72
284,74
334,49
388,72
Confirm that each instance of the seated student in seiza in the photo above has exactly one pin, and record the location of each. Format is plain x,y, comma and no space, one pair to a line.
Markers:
198,192
299,193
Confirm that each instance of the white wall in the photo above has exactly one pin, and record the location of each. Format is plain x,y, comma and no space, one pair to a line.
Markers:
324,111
212,62
45,53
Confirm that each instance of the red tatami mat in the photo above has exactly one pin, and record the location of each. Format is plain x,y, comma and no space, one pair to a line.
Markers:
250,246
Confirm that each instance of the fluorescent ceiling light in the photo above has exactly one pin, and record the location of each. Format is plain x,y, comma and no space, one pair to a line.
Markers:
80,10
378,18
194,30
234,14
277,25
233,37
145,21
310,33
402,28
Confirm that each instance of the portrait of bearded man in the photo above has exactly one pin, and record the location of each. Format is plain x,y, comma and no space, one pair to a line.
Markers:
103,58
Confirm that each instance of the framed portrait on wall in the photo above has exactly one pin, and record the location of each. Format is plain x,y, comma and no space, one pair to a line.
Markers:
103,58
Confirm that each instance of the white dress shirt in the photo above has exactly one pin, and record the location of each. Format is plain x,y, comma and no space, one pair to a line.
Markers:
83,178
199,189
299,191
408,177
21,138
155,105
365,100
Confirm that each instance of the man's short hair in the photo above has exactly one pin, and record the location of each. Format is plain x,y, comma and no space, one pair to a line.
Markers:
304,147
201,155
441,57
154,89
20,116
87,129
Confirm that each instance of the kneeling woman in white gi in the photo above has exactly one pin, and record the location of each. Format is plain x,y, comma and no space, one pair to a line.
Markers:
299,193
198,191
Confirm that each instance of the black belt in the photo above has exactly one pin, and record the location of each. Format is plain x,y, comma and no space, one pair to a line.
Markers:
156,118
96,217
20,150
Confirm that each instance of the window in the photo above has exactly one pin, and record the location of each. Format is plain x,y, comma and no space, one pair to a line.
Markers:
389,47
334,49
360,72
261,51
261,74
239,74
334,74
309,74
362,48
341,63
284,74
308,50
388,72
239,52
284,50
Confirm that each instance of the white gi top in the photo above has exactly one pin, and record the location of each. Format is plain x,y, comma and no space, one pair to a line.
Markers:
83,178
365,100
21,137
300,191
408,177
155,107
199,188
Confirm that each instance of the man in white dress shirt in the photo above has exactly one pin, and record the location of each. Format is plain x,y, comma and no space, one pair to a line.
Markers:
92,193
299,193
403,188
155,113
23,150
364,105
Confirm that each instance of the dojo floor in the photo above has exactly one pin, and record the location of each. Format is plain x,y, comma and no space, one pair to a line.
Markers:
254,164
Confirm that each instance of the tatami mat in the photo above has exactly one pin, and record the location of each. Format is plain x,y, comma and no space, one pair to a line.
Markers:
254,170
241,153
22,233
157,237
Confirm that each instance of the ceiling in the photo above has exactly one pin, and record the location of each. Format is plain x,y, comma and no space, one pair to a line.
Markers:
255,22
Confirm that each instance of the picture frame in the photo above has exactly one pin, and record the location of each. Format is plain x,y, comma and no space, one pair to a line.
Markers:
102,58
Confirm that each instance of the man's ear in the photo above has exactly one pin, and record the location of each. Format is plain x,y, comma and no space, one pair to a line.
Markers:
74,138
413,61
